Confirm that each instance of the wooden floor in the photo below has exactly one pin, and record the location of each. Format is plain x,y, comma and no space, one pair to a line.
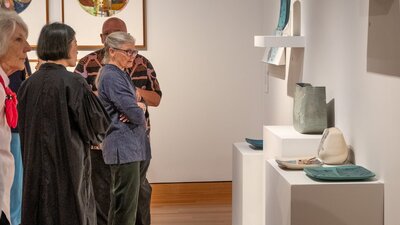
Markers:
192,204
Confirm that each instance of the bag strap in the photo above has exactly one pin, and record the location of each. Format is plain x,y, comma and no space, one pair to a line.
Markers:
2,82
4,85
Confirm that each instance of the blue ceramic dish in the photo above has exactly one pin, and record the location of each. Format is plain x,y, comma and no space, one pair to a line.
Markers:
339,173
255,143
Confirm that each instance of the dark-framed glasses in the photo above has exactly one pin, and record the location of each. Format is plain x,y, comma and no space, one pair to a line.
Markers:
128,52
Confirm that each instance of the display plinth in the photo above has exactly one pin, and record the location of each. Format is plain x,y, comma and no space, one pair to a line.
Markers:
292,198
286,142
248,206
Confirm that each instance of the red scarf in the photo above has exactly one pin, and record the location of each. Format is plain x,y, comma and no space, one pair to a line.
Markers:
11,106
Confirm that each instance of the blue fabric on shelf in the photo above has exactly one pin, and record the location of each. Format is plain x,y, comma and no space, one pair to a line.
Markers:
283,14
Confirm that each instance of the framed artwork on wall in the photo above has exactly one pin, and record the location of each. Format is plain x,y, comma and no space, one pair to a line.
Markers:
86,17
383,49
35,14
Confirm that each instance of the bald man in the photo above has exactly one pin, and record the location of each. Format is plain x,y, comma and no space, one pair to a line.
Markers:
149,93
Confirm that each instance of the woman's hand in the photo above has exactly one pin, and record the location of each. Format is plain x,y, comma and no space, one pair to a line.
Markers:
123,118
138,95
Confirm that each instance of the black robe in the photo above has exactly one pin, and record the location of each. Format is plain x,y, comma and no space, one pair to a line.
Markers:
59,117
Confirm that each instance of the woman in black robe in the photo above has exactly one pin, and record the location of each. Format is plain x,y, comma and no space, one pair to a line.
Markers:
59,119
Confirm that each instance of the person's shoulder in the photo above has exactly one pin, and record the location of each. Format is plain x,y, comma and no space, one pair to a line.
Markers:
112,73
142,57
93,55
110,70
77,80
71,77
140,63
96,53
109,67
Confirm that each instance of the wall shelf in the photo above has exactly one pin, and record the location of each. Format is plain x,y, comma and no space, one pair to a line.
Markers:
279,41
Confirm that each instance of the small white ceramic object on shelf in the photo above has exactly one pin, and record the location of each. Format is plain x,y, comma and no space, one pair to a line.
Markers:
298,164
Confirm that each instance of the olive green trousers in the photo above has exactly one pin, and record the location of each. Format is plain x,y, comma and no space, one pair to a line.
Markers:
125,183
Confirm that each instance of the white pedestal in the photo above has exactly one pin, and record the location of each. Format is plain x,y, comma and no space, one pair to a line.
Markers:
292,198
248,206
286,142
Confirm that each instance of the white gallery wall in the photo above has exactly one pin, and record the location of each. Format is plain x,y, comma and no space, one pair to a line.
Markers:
215,90
366,103
212,82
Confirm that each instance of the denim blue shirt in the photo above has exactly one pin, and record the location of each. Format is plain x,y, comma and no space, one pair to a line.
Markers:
124,142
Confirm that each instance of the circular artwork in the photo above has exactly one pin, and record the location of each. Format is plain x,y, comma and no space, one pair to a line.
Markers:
17,5
103,8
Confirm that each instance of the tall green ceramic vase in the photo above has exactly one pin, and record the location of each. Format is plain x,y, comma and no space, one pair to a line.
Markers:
309,110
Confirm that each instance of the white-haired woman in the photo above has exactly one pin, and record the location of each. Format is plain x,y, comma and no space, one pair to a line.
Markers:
13,49
126,144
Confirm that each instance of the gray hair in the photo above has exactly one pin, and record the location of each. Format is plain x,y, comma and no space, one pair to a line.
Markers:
9,20
115,40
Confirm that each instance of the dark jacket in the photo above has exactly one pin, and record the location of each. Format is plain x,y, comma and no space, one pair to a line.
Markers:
59,117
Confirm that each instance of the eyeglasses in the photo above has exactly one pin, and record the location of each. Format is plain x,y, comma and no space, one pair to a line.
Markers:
128,52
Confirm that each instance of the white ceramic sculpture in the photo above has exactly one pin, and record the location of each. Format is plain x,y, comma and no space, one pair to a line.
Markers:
333,148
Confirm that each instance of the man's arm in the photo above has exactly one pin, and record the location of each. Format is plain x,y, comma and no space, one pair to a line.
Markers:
151,98
145,79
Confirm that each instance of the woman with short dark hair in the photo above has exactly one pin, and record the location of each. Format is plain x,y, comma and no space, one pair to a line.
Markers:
59,119
51,48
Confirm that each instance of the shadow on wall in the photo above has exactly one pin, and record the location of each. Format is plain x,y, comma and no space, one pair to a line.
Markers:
330,109
384,37
276,71
294,69
352,156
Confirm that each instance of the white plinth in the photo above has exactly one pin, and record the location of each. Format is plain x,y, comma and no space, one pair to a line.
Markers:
248,206
285,141
292,198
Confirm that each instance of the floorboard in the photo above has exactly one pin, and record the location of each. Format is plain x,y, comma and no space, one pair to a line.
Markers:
208,203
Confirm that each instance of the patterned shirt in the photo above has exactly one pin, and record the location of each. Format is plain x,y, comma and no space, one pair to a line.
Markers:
142,74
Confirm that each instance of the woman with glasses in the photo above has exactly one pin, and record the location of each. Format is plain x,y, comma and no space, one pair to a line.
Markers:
126,143
60,118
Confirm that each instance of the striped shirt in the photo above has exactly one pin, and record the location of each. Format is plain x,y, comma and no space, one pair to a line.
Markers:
142,74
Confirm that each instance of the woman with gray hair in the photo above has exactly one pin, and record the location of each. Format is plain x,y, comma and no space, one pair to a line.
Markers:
126,143
13,49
